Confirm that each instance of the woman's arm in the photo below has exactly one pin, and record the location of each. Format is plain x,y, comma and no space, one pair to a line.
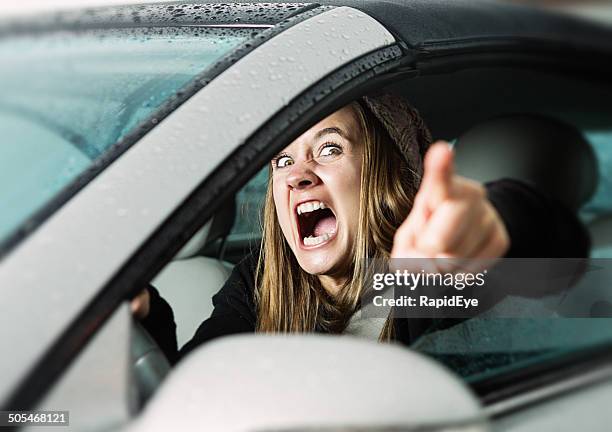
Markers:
159,322
234,312
456,217
539,225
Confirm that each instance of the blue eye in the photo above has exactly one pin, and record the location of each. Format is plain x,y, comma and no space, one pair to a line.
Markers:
283,161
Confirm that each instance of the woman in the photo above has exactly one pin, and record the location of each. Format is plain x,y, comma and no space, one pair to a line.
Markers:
357,185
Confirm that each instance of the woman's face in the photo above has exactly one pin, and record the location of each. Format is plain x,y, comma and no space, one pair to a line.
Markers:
316,182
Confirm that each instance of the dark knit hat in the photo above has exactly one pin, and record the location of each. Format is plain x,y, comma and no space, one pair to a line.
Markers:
404,125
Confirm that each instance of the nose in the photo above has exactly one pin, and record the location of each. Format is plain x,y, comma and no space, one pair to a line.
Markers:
301,177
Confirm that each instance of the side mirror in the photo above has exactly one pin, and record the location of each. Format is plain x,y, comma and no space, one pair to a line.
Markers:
310,382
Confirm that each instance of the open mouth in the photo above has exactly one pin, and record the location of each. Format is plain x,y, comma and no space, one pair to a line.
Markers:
316,223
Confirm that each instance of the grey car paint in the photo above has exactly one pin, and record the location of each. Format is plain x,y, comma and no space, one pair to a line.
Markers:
310,383
61,266
97,389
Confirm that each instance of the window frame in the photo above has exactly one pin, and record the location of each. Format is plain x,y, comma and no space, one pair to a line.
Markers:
160,16
186,218
509,392
323,98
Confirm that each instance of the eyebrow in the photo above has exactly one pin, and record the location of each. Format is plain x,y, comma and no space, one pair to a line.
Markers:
319,134
331,130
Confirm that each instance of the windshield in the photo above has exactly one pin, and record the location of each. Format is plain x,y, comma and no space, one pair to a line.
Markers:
67,97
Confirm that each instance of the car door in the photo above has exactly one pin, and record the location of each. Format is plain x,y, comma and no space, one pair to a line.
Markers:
102,236
527,367
457,83
205,145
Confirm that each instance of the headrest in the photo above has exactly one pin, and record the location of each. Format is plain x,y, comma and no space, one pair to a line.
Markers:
550,154
218,227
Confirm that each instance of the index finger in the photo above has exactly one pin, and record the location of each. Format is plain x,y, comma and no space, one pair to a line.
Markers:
438,173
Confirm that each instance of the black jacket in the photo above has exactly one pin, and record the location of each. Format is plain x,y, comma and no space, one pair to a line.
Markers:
538,225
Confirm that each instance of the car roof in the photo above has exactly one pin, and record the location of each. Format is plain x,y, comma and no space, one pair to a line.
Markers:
432,25
437,23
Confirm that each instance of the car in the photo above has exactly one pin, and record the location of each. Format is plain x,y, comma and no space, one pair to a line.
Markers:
137,139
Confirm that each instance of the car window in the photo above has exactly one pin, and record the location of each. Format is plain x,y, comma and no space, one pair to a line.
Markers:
249,202
600,205
68,96
250,198
597,213
481,348
485,347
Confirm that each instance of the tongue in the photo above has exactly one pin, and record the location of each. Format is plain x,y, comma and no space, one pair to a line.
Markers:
324,225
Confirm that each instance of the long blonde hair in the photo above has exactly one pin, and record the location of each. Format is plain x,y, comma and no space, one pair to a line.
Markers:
290,300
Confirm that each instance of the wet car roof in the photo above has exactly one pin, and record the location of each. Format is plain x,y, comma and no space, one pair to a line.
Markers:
434,24
431,25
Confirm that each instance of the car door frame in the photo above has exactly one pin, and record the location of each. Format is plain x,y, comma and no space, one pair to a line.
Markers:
367,71
372,51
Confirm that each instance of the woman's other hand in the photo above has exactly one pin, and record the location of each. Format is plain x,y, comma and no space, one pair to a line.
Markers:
451,216
141,304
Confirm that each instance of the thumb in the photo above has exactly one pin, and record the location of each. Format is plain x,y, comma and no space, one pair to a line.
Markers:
438,174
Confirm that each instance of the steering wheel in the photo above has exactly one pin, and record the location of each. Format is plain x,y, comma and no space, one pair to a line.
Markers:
150,365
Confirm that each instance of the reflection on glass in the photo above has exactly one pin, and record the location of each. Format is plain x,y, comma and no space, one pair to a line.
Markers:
66,97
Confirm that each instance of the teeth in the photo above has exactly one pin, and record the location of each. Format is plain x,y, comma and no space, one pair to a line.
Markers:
313,241
310,206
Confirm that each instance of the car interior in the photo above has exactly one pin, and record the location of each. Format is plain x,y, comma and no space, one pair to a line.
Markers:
494,136
180,282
